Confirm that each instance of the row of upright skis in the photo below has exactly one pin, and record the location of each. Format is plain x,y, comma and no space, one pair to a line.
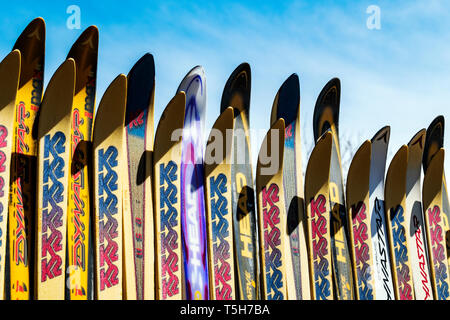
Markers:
100,208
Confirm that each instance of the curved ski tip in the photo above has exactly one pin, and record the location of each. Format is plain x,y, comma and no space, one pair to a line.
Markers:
88,37
279,125
197,70
35,28
292,82
418,139
15,57
333,83
331,91
146,64
438,121
243,67
382,135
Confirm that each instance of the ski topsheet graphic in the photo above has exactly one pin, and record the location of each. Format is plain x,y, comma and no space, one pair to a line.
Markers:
326,117
318,217
415,231
287,107
272,214
384,286
193,219
434,222
9,82
358,205
22,204
167,205
218,208
395,191
433,142
79,236
236,94
53,182
138,210
109,167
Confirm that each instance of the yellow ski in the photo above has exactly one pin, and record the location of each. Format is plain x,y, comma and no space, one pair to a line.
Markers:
272,214
434,224
9,82
108,174
31,45
318,217
79,249
167,162
357,195
219,209
395,197
53,178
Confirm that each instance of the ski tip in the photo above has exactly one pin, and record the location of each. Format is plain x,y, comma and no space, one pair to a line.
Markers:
35,29
195,73
434,140
274,148
358,176
418,141
432,181
324,118
236,92
144,68
88,39
287,101
383,135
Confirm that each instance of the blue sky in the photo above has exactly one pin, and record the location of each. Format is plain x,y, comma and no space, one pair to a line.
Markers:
398,75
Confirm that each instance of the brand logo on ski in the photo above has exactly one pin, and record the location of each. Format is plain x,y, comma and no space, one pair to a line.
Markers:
272,242
52,200
36,93
22,129
438,253
421,257
401,253
245,236
362,256
320,247
220,232
107,178
20,244
169,237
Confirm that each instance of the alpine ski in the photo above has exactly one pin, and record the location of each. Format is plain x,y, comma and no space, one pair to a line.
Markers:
287,107
109,167
384,287
272,214
80,254
434,222
218,208
433,142
357,194
138,210
53,182
9,82
167,205
193,219
318,216
236,94
326,117
416,233
395,193
22,204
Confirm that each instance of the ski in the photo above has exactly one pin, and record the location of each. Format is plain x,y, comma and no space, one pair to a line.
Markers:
236,94
395,193
218,208
22,194
272,214
108,171
167,205
318,216
9,83
326,117
287,107
193,218
384,287
357,195
79,237
138,210
53,179
434,222
416,233
433,142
